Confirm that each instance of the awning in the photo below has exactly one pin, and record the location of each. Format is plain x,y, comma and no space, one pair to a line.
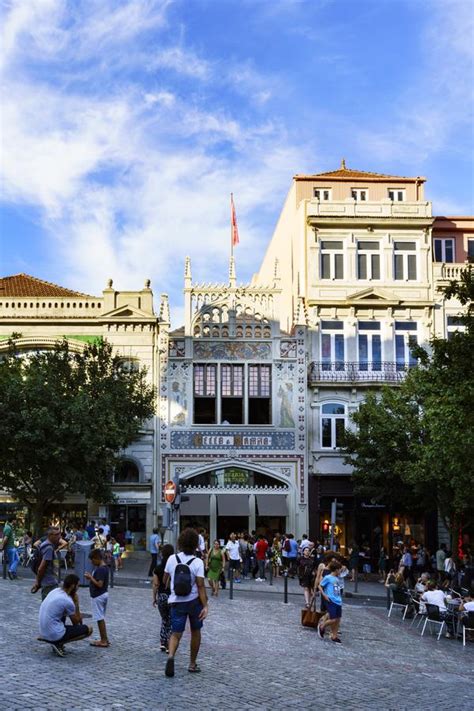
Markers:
198,505
272,505
233,504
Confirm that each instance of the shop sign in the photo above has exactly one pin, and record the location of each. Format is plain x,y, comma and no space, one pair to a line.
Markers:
131,502
190,439
372,506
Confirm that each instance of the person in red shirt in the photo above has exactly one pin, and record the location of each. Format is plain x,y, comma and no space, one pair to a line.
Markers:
261,547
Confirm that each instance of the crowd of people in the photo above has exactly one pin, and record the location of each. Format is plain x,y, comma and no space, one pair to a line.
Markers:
179,579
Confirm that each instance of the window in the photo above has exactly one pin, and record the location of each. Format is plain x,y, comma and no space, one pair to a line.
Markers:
370,346
333,421
332,260
368,260
454,324
205,394
444,250
470,249
221,393
323,194
405,338
396,194
260,388
126,473
332,345
361,195
404,261
129,365
232,394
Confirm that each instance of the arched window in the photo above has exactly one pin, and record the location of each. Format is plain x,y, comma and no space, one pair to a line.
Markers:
127,473
333,423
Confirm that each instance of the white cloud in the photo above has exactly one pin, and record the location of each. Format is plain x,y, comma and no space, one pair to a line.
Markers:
182,61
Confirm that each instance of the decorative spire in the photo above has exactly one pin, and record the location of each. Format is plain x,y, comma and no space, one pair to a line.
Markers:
187,272
300,313
232,271
164,309
343,164
147,283
110,283
276,270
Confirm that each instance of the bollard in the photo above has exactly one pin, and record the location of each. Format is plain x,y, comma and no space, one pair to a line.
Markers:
388,599
4,563
285,586
356,580
270,572
231,583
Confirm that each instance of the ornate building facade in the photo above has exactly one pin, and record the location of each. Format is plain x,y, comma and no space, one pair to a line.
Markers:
232,410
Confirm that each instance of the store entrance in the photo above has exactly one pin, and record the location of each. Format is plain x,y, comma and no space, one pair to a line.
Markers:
231,524
128,524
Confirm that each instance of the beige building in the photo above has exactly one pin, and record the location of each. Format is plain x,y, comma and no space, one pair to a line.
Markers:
40,313
356,249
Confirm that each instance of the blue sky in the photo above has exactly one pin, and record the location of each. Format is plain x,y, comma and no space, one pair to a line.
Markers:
126,124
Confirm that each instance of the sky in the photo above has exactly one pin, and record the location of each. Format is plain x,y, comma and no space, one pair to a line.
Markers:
126,124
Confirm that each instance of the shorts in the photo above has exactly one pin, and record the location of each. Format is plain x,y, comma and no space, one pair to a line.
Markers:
73,632
334,610
99,606
234,564
180,611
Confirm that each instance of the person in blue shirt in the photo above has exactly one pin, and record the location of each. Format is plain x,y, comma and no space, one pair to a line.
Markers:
154,549
291,550
330,589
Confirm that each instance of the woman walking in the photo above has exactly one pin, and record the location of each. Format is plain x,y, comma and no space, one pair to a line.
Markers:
160,596
306,575
276,556
215,565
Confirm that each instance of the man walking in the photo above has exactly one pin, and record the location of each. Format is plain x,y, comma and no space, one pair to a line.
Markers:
232,550
61,603
9,548
188,599
154,549
47,573
261,547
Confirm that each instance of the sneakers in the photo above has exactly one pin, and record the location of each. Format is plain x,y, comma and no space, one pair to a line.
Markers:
237,580
321,632
258,580
336,640
59,650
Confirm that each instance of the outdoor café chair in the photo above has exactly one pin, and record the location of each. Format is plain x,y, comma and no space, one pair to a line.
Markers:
433,617
399,599
467,626
418,615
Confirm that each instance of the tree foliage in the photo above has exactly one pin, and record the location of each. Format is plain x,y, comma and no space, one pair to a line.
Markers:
65,418
414,446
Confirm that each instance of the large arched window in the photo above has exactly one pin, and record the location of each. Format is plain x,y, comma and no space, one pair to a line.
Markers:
333,423
127,473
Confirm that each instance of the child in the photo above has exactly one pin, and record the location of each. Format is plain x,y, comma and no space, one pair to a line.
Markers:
331,592
98,588
116,554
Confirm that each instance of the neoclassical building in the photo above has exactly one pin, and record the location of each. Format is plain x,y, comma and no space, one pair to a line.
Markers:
39,313
232,410
365,255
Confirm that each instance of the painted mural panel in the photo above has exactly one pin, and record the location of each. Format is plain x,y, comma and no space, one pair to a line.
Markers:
238,350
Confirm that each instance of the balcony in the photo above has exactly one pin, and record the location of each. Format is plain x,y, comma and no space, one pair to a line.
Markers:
382,209
377,372
444,271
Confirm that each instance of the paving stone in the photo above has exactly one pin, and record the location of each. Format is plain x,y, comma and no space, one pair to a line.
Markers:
255,655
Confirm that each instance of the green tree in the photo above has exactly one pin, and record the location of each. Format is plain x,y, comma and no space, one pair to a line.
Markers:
65,418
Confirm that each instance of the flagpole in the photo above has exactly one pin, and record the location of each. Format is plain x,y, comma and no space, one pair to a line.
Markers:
231,226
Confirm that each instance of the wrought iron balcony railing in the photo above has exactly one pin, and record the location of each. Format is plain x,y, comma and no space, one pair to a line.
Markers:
351,372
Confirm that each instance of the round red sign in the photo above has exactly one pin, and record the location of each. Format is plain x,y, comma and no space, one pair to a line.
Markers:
170,492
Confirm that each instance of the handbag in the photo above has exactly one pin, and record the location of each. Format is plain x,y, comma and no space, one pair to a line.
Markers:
310,617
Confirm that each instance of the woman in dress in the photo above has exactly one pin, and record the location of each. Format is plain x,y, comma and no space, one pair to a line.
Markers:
306,575
160,597
215,566
276,555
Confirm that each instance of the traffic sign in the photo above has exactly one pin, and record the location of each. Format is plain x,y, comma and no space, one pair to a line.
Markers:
170,492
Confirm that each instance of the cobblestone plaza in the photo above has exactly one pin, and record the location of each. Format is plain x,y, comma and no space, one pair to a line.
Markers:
255,655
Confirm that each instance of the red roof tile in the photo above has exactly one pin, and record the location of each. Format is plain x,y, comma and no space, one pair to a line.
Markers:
26,285
349,173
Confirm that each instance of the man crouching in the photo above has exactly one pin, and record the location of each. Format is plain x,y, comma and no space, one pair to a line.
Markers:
61,603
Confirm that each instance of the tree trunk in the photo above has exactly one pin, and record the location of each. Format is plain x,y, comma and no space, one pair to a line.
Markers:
37,511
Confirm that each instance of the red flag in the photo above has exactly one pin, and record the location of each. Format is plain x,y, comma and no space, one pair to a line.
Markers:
233,222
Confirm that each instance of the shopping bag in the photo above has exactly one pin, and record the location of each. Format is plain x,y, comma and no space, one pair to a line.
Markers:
310,618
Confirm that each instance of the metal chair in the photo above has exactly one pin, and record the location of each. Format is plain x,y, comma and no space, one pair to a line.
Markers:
400,599
467,626
418,614
434,618
62,555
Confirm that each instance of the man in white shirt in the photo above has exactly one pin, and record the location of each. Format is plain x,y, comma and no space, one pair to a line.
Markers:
59,604
232,550
188,597
105,527
305,543
432,596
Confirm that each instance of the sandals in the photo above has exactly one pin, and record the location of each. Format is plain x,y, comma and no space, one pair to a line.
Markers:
194,670
98,643
169,669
